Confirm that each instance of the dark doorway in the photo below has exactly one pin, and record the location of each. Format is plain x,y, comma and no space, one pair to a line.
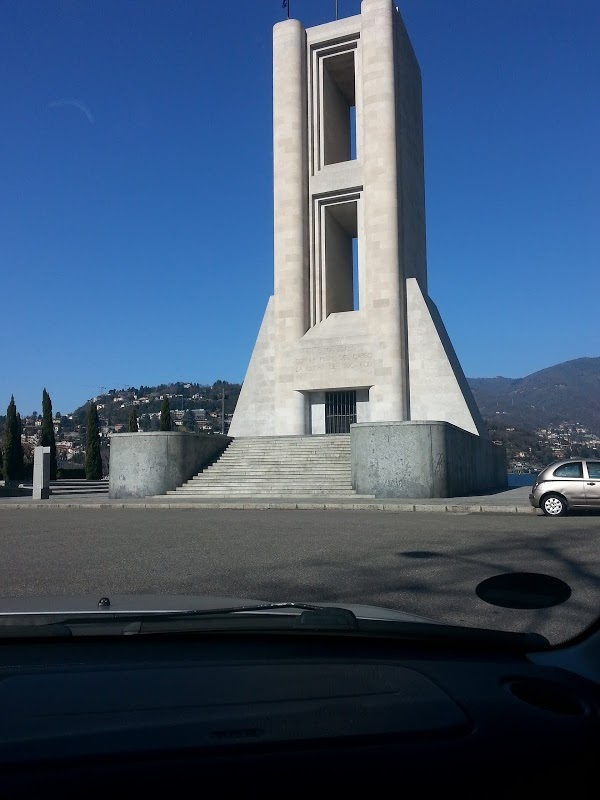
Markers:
340,411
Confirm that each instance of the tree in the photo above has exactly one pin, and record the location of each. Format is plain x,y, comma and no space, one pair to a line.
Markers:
93,455
20,451
144,422
47,437
189,421
133,421
165,416
12,451
154,424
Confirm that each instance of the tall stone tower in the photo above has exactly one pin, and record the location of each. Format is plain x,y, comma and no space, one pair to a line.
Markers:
350,334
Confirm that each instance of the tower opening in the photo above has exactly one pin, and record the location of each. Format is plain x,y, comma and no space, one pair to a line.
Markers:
338,109
341,257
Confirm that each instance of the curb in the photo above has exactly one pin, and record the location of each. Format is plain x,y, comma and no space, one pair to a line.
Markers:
298,506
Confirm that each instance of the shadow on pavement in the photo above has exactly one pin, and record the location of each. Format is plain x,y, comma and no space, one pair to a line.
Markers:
442,584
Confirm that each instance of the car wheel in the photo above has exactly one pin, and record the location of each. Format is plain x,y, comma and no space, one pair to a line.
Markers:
553,505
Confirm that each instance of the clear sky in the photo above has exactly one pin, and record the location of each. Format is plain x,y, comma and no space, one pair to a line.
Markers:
136,185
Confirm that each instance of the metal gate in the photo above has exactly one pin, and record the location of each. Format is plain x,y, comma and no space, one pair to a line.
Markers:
340,411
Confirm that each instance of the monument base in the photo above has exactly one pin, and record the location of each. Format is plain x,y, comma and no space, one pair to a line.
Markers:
423,459
148,464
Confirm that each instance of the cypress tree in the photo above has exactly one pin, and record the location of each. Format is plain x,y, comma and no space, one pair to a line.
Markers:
93,456
165,416
12,452
47,438
20,452
144,423
189,421
133,422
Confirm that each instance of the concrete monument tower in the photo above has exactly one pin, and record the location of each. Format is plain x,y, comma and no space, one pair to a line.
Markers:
350,334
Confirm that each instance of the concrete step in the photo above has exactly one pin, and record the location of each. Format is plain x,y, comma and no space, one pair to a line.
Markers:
78,482
290,448
306,437
266,451
313,442
295,449
297,479
253,467
263,475
199,487
335,463
347,495
283,458
274,454
268,476
299,463
237,456
271,476
78,486
269,469
257,493
233,478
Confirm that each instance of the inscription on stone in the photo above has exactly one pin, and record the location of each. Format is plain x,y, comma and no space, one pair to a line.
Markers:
334,358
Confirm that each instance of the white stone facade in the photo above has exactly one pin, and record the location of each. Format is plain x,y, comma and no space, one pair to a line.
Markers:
350,308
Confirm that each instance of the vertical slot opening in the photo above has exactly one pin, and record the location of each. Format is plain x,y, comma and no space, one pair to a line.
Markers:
341,257
338,112
355,273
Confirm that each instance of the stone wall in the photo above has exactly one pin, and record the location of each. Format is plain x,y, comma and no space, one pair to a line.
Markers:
423,459
147,464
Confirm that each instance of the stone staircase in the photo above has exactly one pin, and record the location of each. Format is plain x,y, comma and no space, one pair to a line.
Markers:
76,486
277,466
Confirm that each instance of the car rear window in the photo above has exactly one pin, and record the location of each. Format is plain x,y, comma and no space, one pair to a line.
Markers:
574,470
593,469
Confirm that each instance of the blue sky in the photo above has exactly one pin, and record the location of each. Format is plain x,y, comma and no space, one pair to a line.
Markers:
136,180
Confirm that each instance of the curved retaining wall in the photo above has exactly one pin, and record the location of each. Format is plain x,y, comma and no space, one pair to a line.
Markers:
146,464
423,459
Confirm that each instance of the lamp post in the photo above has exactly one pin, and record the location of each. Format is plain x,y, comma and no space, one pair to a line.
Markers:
222,408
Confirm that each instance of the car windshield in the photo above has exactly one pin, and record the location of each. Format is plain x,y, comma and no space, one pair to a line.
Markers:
293,309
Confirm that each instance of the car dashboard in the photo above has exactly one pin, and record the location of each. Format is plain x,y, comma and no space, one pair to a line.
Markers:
290,713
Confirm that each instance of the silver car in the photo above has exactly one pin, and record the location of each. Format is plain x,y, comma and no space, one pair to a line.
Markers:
563,485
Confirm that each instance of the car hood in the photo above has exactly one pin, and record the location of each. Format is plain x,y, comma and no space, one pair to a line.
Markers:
155,604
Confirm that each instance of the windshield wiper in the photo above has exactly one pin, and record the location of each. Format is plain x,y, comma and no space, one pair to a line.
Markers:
320,617
326,613
136,622
260,618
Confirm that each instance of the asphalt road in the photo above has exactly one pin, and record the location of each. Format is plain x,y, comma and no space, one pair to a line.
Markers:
425,563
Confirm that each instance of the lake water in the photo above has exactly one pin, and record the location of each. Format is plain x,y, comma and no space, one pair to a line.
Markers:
518,479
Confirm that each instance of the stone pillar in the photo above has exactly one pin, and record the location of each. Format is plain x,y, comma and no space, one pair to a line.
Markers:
317,412
362,405
41,473
385,284
290,196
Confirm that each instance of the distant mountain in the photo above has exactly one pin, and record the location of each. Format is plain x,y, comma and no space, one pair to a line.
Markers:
567,392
